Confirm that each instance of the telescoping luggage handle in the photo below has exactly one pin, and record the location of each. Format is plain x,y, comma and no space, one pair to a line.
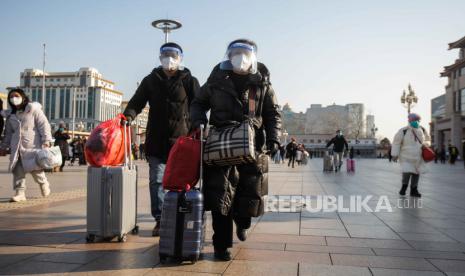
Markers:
127,150
202,128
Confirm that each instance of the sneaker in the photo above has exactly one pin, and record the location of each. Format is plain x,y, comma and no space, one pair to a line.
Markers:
223,255
156,229
45,189
19,196
241,234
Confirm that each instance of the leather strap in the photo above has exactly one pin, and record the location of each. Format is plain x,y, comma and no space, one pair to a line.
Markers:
252,94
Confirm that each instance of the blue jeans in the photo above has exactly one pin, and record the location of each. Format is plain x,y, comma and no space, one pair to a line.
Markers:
157,194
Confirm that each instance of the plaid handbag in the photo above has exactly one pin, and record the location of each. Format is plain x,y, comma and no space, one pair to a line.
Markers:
233,144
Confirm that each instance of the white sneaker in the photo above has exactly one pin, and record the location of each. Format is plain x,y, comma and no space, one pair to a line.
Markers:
20,196
45,189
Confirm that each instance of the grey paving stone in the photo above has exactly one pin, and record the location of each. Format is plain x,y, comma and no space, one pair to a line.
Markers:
35,267
449,265
373,231
419,253
374,243
245,267
332,270
324,232
402,272
439,246
436,237
329,249
382,261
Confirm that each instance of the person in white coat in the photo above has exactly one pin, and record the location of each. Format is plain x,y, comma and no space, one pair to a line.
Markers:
27,131
407,148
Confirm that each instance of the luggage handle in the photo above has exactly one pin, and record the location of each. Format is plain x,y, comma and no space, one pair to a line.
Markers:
127,150
202,128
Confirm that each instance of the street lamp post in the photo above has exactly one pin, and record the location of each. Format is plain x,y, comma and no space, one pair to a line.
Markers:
42,99
166,25
410,99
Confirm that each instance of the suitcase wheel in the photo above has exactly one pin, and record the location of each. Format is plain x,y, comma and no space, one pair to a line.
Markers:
163,258
90,238
135,231
123,238
194,259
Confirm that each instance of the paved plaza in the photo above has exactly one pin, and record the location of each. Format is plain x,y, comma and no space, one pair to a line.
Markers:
426,237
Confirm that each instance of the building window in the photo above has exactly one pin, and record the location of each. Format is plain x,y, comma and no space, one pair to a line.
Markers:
462,92
62,103
312,141
319,141
305,141
67,103
53,105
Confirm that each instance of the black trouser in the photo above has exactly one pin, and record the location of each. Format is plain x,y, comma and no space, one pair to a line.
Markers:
63,160
223,229
291,159
406,179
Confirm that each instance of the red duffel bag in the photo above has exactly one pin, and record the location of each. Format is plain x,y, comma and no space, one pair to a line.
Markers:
428,154
105,145
182,169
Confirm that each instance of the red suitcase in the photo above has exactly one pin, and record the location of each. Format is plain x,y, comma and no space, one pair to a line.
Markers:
182,167
350,165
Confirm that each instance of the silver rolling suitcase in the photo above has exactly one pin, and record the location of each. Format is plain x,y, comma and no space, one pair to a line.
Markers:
183,220
328,162
112,199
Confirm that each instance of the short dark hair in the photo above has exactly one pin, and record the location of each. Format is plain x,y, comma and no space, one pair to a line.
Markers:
244,40
171,44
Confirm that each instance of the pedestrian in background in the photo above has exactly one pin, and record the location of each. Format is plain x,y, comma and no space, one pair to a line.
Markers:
291,152
2,122
61,140
453,154
407,147
27,131
339,144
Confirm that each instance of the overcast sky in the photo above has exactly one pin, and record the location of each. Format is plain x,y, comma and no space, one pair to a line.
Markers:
318,51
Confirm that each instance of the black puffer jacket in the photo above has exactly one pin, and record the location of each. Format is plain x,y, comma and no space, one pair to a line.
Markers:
169,100
241,188
226,106
339,143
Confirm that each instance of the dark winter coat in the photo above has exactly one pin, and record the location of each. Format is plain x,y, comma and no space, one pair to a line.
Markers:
169,100
339,143
2,122
291,149
61,140
241,188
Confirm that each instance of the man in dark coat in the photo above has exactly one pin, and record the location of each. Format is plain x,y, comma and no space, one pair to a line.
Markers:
291,150
339,143
169,90
2,123
61,140
237,192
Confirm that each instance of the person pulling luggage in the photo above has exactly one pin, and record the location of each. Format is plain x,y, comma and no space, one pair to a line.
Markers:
339,144
407,148
291,150
169,90
236,192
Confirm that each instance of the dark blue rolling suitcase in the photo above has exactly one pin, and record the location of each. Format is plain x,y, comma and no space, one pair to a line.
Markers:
182,229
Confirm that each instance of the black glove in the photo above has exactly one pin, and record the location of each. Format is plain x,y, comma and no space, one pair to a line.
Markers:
128,120
272,147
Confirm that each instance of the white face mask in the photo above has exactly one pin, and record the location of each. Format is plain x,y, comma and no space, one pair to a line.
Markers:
169,63
241,63
16,100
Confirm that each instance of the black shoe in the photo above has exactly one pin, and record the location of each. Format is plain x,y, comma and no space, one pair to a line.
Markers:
414,193
223,255
156,230
241,234
402,190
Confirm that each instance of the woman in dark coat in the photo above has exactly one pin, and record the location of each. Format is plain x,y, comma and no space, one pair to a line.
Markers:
61,140
237,192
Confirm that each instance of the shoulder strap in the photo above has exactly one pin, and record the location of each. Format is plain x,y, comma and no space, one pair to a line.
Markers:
405,131
252,94
416,137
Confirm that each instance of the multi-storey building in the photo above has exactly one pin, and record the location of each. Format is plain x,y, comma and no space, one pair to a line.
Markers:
448,122
83,95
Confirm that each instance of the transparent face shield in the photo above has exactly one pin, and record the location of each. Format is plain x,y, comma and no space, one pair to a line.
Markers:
240,58
171,59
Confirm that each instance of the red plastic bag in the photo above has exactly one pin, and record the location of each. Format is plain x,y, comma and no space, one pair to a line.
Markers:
183,166
428,154
105,146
